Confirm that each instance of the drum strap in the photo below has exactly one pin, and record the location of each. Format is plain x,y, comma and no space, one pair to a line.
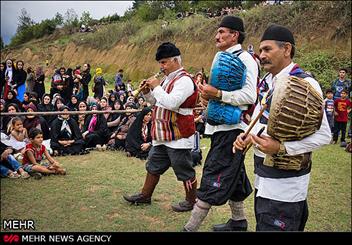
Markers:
265,96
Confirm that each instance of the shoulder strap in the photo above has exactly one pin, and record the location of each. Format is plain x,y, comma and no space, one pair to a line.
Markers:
298,72
237,52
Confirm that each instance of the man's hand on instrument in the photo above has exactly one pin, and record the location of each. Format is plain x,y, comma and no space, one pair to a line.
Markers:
146,89
208,92
266,144
153,83
241,143
204,102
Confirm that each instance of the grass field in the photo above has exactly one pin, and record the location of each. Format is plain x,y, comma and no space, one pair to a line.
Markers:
89,197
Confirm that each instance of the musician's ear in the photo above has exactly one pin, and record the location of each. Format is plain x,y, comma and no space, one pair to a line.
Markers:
288,48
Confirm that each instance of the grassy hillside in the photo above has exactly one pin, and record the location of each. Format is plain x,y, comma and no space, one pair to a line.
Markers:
322,30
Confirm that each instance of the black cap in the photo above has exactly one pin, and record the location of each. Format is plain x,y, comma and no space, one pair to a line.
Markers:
167,50
278,33
232,22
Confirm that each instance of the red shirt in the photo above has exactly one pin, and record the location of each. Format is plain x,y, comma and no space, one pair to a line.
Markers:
341,108
37,152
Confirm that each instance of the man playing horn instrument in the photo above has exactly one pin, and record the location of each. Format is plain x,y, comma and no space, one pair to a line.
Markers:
282,159
172,127
224,174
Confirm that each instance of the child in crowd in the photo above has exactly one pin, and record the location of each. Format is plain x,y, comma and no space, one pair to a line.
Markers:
329,108
18,134
9,166
342,108
33,156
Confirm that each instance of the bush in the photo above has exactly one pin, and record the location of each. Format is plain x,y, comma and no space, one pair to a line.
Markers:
323,64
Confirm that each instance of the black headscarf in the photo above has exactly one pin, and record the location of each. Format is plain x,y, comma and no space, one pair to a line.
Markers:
134,137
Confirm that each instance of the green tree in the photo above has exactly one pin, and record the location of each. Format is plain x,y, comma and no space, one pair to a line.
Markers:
70,18
86,18
2,45
24,21
59,19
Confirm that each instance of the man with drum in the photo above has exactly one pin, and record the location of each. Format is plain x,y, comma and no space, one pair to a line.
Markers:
173,127
283,162
223,169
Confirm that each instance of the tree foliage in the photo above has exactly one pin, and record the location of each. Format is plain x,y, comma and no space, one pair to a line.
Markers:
24,21
2,45
86,19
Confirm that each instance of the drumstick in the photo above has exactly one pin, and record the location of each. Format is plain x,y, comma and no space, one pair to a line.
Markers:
254,121
250,144
251,127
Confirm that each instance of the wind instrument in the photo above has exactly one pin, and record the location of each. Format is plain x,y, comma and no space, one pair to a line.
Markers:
144,84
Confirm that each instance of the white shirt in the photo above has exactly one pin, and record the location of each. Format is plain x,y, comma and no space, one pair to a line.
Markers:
241,97
293,189
183,88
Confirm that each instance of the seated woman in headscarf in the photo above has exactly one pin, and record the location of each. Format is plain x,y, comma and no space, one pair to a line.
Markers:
10,108
46,105
11,99
125,123
96,132
66,138
139,138
114,119
82,106
35,121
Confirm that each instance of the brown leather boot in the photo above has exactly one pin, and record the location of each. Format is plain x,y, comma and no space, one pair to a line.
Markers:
144,197
191,195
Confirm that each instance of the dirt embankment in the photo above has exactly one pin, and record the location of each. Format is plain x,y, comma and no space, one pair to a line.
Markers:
137,62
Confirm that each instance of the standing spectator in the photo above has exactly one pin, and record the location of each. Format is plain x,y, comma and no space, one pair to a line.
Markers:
2,78
129,87
85,79
39,86
69,84
30,81
329,108
99,83
9,72
19,79
119,85
342,108
341,83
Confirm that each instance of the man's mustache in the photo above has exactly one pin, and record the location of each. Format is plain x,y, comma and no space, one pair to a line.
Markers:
264,62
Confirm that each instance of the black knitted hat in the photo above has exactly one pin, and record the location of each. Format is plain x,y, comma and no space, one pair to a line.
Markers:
233,23
167,50
278,33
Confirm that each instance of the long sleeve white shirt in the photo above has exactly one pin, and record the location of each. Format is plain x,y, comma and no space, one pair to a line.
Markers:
183,88
245,96
293,189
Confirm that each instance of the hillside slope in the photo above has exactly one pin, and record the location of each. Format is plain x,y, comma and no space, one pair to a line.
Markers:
322,30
